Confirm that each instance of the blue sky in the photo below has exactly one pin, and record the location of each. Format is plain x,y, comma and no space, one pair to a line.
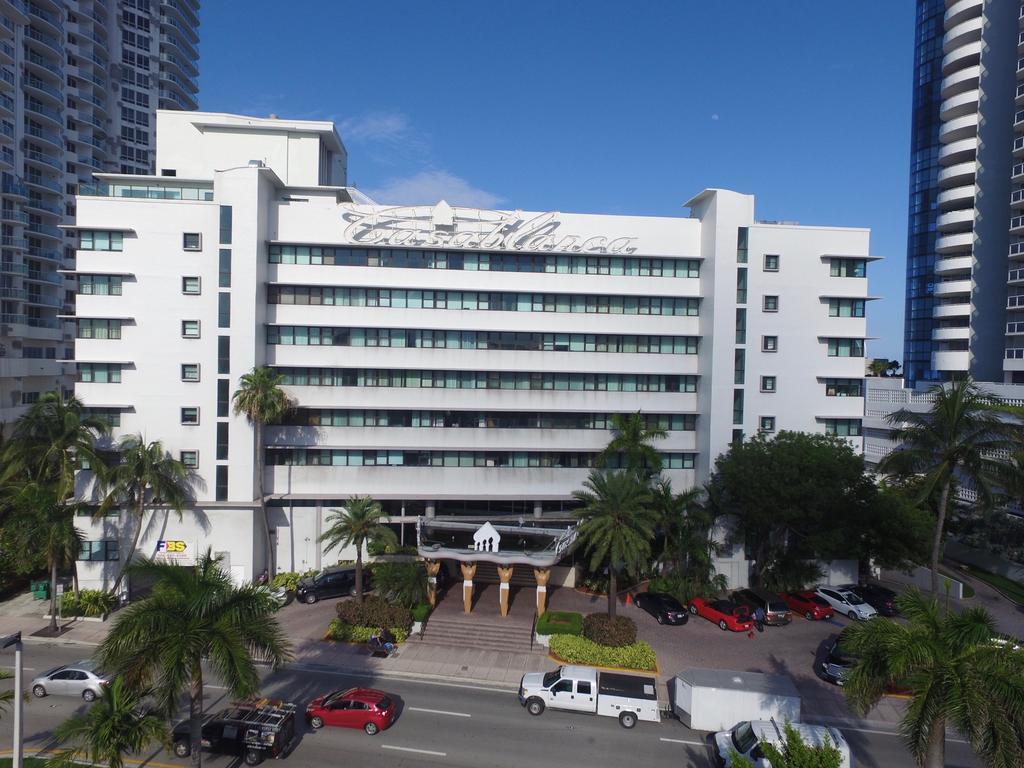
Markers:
603,107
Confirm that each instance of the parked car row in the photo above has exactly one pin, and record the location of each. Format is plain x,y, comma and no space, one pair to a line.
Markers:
738,611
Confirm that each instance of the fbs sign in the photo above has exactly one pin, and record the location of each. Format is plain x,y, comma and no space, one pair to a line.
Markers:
173,549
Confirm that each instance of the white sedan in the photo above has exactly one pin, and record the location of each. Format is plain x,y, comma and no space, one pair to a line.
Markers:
846,602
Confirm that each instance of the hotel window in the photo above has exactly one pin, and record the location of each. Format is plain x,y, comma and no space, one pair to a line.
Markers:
190,416
99,285
223,397
90,328
739,366
848,267
190,459
106,550
843,427
767,383
742,237
771,262
846,347
771,304
223,354
99,373
225,225
767,423
741,285
95,240
191,286
221,491
224,275
192,241
769,343
222,440
737,406
846,307
190,329
190,372
844,388
741,326
223,310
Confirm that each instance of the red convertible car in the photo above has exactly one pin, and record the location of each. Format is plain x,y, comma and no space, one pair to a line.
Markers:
725,614
808,605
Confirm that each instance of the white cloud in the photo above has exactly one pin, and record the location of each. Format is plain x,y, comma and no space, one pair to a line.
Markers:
428,187
375,126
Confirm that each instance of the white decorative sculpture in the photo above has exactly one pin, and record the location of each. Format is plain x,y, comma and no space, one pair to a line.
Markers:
486,539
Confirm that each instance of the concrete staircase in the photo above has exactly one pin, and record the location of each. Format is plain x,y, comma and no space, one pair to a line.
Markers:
492,633
487,573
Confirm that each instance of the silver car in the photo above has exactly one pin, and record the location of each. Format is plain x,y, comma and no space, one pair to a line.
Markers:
78,679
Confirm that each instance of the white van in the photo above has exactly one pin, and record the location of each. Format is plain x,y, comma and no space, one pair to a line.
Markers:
746,738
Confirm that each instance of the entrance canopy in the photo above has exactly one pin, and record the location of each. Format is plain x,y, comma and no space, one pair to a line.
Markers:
467,541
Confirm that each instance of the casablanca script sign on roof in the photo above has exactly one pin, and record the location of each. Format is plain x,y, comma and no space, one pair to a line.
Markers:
437,227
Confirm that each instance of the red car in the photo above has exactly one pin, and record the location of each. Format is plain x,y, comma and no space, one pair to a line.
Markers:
725,614
365,708
812,607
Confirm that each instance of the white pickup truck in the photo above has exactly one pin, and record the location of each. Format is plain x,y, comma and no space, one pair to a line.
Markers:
583,689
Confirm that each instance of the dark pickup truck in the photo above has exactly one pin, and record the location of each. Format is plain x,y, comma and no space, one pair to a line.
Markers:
252,730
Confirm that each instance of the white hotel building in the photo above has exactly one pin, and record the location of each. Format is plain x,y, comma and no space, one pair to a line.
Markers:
446,361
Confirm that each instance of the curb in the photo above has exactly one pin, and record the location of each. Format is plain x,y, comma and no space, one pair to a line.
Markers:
36,752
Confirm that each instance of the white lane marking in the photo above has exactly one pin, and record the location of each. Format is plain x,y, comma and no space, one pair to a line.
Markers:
439,712
890,733
11,666
419,751
684,741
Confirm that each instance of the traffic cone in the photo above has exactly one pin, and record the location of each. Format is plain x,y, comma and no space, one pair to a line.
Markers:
629,598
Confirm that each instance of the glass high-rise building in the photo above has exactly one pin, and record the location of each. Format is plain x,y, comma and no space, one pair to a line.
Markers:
966,187
80,83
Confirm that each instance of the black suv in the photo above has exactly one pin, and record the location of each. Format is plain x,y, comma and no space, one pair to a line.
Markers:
776,611
330,582
881,599
253,731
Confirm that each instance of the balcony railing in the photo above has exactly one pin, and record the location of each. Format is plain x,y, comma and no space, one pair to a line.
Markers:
10,268
1016,249
48,40
39,85
10,241
47,136
42,181
45,159
41,61
41,109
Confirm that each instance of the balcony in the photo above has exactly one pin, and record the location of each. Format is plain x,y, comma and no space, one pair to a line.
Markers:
178,47
49,19
959,128
955,264
33,59
10,268
50,278
43,182
959,35
15,294
177,100
37,204
951,334
13,187
966,55
953,287
10,241
957,197
40,87
962,80
13,216
6,105
951,360
6,52
50,43
38,109
45,253
1017,173
45,230
1015,302
961,10
187,30
951,221
1015,276
39,300
35,156
1015,329
53,139
962,241
186,67
957,175
1017,198
1016,250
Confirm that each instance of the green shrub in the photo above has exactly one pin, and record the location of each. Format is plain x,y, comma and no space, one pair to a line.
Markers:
402,583
579,650
289,580
612,631
560,623
374,611
92,603
421,611
684,588
349,633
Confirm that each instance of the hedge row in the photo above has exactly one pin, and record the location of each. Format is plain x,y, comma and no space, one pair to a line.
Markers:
579,650
374,611
614,631
348,633
560,623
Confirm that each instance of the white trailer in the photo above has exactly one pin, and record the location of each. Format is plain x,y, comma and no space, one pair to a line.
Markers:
583,689
718,699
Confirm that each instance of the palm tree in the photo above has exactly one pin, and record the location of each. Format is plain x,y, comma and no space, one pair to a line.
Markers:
401,583
688,545
958,674
43,522
147,474
6,697
616,525
878,366
356,524
631,443
951,444
261,400
194,615
115,725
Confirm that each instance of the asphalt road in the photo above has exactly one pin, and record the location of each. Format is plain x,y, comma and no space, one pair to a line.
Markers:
454,725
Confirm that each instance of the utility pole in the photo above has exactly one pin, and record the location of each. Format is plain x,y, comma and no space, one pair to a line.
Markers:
7,642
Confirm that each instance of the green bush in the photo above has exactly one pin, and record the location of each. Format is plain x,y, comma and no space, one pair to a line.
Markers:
579,650
349,633
374,611
560,623
289,580
611,631
92,603
421,611
402,583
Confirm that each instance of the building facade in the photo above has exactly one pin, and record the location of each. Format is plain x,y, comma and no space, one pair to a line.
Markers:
80,83
446,361
965,292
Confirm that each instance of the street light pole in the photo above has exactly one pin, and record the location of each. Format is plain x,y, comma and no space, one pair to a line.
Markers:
7,642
